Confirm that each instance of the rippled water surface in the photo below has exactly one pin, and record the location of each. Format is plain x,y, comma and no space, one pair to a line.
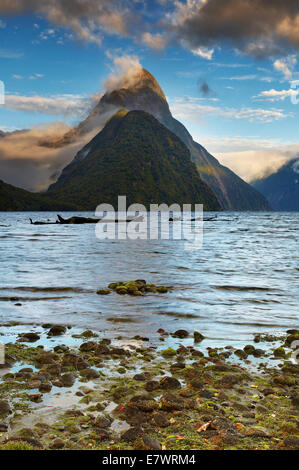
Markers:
243,281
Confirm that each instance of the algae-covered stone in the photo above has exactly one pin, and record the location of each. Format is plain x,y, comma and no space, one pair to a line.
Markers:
170,383
162,289
131,434
198,337
5,408
279,352
249,349
168,352
104,292
121,290
57,330
284,380
181,334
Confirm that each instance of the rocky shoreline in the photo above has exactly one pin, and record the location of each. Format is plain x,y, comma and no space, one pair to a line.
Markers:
84,391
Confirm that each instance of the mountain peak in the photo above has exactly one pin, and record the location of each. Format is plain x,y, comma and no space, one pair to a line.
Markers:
144,79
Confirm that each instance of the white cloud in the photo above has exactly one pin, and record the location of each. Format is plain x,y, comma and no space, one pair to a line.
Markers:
251,158
154,41
203,52
35,76
58,105
276,95
2,24
286,66
191,109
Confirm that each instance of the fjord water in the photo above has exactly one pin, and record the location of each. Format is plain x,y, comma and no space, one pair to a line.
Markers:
245,279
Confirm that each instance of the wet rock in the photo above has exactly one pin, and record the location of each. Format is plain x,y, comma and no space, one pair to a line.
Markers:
104,292
241,354
226,429
5,408
32,384
3,427
140,377
249,349
162,289
258,353
151,385
169,352
131,434
102,422
68,380
181,334
171,402
143,403
26,372
90,374
103,349
36,397
121,290
161,420
292,332
120,393
291,338
70,360
46,357
279,352
198,337
57,383
150,443
54,369
45,387
29,337
230,380
61,349
57,444
134,416
206,394
177,366
284,380
57,330
258,432
88,346
197,384
170,383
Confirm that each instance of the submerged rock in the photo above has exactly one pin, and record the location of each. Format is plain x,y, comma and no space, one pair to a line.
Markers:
57,330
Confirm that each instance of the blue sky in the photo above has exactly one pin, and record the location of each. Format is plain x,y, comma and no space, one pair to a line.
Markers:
236,104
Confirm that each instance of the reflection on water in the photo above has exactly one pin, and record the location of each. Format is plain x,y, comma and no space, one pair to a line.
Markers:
243,281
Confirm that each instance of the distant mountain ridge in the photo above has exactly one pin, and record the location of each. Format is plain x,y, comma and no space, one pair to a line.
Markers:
14,199
136,156
282,188
145,94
